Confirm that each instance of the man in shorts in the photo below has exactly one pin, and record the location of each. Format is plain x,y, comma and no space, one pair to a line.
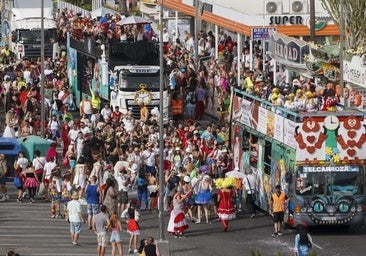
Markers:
100,224
3,172
75,218
277,207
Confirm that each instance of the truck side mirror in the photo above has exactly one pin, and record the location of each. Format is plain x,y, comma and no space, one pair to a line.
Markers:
288,177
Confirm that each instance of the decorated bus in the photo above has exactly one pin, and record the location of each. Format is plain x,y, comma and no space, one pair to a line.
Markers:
317,157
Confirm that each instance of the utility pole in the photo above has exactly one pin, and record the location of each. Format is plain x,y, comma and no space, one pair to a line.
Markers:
43,115
312,20
163,244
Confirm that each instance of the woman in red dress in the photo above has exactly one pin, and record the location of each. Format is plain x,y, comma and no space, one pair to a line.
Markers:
226,209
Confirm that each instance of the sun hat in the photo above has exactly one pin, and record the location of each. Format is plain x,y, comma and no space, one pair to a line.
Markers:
187,179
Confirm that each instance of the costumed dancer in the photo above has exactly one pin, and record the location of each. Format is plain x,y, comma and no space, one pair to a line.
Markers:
66,192
177,221
225,197
132,217
55,190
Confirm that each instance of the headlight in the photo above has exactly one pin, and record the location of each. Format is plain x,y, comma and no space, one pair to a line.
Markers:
318,207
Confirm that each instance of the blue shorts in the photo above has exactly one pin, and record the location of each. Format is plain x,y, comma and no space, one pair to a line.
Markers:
93,209
115,237
75,227
3,180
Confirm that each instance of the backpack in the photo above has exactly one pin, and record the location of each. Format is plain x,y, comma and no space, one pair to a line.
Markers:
193,98
18,182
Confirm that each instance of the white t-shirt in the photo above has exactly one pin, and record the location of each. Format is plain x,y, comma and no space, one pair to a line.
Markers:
23,163
39,163
73,134
74,208
48,167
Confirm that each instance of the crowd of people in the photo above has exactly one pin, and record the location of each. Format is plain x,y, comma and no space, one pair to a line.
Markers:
106,154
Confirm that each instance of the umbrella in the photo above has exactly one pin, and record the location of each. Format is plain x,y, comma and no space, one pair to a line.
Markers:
100,12
132,20
235,174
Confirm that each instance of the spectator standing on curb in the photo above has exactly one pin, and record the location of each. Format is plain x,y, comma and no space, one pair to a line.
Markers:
277,207
249,184
75,218
150,248
100,225
3,172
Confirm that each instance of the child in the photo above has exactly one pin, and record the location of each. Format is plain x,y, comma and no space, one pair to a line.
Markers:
18,183
132,217
55,188
66,192
116,227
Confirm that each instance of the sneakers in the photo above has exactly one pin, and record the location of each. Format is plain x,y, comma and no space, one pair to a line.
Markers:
31,200
275,234
279,233
130,251
24,194
135,251
3,199
252,216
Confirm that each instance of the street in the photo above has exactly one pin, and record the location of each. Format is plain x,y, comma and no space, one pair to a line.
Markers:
29,230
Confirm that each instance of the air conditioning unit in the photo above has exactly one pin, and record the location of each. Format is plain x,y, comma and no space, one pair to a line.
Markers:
273,7
299,6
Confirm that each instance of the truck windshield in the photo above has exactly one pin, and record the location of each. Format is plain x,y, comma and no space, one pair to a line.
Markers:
34,36
132,81
330,181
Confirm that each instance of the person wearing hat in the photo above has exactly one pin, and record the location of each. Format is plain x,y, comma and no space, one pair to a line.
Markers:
177,221
277,208
74,217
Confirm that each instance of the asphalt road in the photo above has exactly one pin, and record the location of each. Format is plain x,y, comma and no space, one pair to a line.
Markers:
29,230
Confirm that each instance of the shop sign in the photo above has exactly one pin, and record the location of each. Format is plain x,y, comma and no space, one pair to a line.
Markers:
355,71
285,20
260,33
288,49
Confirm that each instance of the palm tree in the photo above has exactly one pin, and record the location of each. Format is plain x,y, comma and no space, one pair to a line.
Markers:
354,20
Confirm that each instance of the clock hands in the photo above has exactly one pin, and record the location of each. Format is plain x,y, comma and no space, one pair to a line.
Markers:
331,120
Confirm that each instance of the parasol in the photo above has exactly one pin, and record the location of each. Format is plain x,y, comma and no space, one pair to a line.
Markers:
100,12
132,20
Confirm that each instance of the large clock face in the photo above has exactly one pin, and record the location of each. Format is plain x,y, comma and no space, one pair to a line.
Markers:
331,122
143,97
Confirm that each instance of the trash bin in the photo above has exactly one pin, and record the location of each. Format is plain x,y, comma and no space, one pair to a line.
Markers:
10,147
30,143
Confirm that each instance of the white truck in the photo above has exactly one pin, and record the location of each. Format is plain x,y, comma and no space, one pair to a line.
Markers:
21,28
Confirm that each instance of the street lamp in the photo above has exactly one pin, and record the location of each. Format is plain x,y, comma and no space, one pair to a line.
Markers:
43,115
163,244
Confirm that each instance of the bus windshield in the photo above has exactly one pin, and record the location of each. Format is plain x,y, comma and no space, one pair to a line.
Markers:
34,36
329,180
132,82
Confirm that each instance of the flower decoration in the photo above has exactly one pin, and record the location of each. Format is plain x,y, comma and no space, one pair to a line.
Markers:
332,155
225,182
